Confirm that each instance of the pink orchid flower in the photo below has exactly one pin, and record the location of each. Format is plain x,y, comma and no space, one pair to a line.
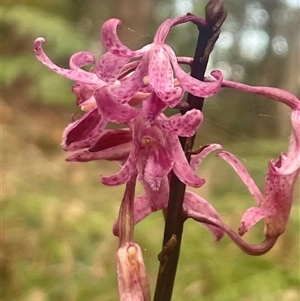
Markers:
158,60
275,204
155,200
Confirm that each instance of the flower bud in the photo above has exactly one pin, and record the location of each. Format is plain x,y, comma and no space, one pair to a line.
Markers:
132,278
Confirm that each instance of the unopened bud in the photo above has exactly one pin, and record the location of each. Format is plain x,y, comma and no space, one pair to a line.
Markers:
215,13
132,278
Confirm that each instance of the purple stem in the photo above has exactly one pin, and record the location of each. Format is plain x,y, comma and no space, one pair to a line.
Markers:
215,15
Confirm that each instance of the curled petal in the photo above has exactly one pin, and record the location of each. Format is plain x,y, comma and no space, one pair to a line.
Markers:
181,167
193,85
172,97
126,172
244,175
196,160
111,109
251,217
109,67
75,75
277,94
81,59
164,29
182,125
84,132
114,45
194,204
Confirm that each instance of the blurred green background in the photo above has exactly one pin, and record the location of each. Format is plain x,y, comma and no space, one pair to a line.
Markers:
56,238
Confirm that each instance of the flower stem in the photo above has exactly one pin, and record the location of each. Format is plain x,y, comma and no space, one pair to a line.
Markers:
126,214
169,256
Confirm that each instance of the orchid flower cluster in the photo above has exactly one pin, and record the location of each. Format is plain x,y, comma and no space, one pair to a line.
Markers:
134,88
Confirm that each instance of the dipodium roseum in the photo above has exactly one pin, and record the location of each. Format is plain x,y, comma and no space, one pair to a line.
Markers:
158,60
275,204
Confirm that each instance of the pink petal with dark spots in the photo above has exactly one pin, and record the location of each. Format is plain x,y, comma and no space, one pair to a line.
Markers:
279,191
114,45
181,167
79,75
109,67
172,97
193,85
197,159
195,207
160,70
251,217
126,172
111,109
182,125
244,175
164,29
84,132
277,94
81,59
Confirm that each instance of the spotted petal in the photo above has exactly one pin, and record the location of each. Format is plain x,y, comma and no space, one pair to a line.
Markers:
277,94
125,174
251,217
114,45
164,29
194,204
244,175
192,85
160,70
111,108
109,67
182,125
78,75
81,59
197,159
181,167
